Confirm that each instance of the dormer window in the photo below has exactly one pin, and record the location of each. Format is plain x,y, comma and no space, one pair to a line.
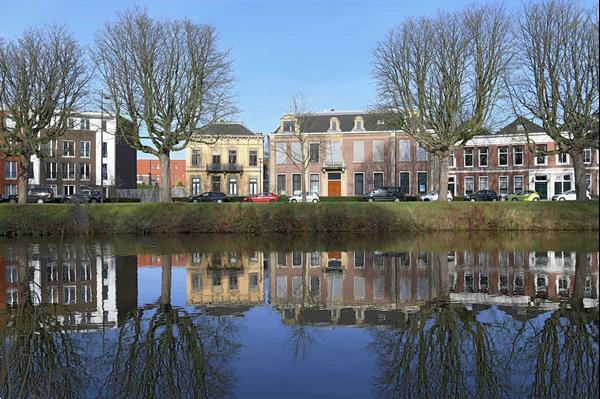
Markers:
334,124
520,128
380,122
289,126
358,123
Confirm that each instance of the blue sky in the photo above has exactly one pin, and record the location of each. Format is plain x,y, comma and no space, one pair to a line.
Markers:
320,48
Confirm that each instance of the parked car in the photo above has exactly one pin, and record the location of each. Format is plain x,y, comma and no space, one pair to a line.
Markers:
209,196
85,195
570,195
433,196
525,195
385,194
262,197
38,195
483,195
310,197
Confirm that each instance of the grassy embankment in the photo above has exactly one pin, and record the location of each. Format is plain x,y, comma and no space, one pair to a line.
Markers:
154,218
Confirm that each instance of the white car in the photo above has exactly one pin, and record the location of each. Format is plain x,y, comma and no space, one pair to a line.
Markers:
310,197
570,195
433,196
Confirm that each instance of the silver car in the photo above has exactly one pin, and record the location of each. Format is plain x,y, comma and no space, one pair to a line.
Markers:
310,197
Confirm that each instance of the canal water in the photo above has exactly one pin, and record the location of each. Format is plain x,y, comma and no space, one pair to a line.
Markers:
401,316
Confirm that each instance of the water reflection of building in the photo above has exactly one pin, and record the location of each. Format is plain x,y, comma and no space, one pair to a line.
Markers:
85,286
178,260
225,279
371,287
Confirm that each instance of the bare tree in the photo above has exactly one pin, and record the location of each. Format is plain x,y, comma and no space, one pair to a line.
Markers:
557,78
440,75
297,149
43,78
166,78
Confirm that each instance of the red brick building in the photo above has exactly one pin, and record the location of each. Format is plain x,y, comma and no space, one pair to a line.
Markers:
148,172
9,172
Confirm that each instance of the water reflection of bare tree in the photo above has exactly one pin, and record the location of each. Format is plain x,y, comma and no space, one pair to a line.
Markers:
443,352
165,351
38,357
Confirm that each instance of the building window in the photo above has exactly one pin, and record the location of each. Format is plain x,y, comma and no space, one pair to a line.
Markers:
359,184
377,180
10,189
404,150
281,184
196,186
562,158
541,158
85,149
289,126
468,155
296,183
483,157
68,171
215,183
280,154
518,184
587,155
196,158
422,154
503,185
68,148
68,190
253,186
469,189
405,182
216,159
253,158
333,124
86,293
451,160
503,156
103,125
588,182
452,185
358,124
104,149
378,151
232,157
84,171
71,123
10,170
422,182
104,171
483,183
518,155
359,259
562,184
314,183
84,124
358,151
313,149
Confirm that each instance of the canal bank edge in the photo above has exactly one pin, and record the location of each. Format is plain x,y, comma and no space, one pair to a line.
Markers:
156,218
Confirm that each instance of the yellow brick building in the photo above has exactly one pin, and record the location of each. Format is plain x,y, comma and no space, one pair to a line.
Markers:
225,157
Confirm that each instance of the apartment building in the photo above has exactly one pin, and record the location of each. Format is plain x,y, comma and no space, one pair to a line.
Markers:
9,172
351,153
225,157
88,155
507,162
148,172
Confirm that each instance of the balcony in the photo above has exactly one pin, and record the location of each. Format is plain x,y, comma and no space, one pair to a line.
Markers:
224,168
334,165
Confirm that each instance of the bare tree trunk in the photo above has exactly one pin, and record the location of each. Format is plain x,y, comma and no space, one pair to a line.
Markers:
23,181
443,177
165,177
165,286
303,185
579,166
579,283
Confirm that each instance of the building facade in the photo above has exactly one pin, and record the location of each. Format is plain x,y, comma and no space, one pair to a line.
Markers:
89,154
226,157
9,172
148,172
352,153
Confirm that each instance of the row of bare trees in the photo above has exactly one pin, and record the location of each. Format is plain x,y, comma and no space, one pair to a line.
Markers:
165,80
444,76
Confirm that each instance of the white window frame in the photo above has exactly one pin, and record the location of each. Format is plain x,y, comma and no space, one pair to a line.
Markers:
567,159
318,183
483,151
465,157
487,183
363,183
500,185
587,156
85,147
426,182
53,171
11,167
507,161
465,184
279,192
535,158
88,168
453,158
355,147
382,178
515,183
422,151
63,149
521,151
408,156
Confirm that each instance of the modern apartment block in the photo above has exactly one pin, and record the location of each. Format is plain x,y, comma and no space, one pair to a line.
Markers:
88,155
148,172
352,153
225,157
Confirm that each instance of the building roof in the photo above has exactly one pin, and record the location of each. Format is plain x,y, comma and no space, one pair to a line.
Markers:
527,127
319,122
226,129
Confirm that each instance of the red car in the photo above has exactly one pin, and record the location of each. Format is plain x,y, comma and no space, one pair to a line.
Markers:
262,197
